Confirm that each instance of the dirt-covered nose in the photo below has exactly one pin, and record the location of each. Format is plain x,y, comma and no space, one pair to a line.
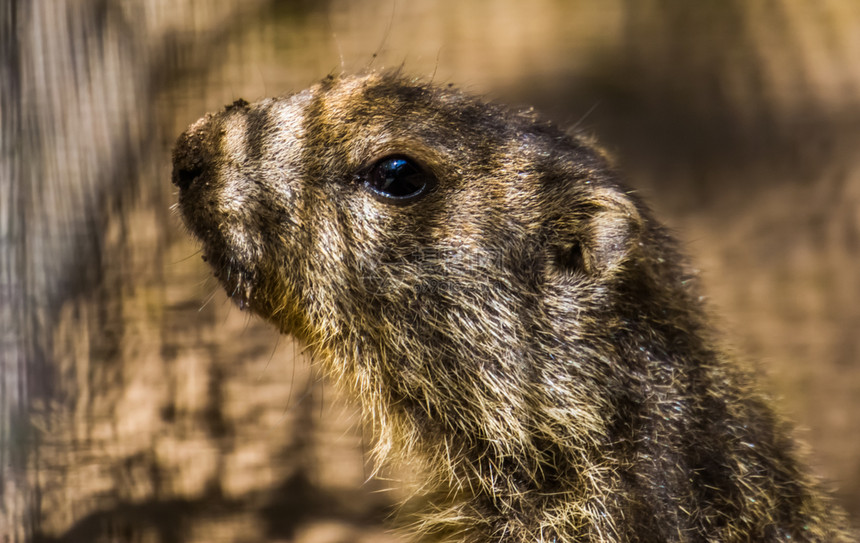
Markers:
192,157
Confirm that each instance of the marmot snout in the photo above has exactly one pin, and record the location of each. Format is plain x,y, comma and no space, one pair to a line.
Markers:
509,315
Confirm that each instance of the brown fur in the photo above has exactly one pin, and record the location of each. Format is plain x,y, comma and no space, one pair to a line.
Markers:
525,331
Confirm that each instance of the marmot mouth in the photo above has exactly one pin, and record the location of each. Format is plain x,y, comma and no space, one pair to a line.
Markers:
236,277
230,264
238,282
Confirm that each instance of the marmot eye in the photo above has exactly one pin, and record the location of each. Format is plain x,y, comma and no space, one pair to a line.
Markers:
397,179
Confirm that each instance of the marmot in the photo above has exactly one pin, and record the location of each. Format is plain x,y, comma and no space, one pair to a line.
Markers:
508,313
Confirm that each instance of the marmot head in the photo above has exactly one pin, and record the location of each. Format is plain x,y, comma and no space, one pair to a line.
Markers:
365,194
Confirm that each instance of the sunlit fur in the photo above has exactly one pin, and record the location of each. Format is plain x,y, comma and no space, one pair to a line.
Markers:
526,332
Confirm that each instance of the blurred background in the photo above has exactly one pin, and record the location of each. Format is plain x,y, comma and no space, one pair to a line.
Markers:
138,405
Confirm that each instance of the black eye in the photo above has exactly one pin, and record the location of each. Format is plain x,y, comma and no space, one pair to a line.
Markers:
397,179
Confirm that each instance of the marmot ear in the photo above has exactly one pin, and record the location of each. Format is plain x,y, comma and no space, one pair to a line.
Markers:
599,236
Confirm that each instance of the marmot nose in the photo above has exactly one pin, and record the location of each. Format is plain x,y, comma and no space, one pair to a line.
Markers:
191,155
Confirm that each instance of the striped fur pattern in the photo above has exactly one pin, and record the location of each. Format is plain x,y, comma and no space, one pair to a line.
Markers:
525,332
